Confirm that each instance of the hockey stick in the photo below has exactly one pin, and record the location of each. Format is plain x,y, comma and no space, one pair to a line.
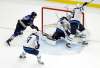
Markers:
48,35
86,3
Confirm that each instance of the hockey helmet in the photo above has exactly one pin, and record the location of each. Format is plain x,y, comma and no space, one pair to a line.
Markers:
69,15
34,14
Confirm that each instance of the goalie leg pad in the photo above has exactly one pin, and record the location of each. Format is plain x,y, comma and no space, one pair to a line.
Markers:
58,34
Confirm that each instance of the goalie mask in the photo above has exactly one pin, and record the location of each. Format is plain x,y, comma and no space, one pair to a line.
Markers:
69,15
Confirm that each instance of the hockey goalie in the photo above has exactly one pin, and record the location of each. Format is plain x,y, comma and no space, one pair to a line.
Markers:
68,28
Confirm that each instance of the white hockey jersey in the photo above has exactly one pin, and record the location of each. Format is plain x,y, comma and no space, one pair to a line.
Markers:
31,41
63,25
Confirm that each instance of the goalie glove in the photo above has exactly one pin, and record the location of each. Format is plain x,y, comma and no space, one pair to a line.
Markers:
81,34
69,39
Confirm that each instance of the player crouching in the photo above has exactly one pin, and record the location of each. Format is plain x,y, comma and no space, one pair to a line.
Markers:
31,47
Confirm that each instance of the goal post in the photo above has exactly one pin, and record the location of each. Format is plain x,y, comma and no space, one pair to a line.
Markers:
50,16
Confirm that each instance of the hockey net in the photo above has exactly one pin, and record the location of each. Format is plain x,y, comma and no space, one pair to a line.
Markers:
50,16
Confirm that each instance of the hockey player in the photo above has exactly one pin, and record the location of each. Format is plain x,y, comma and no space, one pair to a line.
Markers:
31,46
22,25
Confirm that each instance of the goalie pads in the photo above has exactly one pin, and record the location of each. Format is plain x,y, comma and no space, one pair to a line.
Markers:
83,37
81,34
49,41
70,41
48,36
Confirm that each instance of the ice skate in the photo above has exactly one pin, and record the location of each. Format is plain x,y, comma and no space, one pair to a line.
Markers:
8,42
68,45
84,43
22,56
10,39
39,60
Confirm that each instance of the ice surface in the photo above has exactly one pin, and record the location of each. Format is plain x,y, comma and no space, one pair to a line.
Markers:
58,56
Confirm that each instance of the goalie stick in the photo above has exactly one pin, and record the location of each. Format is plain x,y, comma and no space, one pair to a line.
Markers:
48,36
86,3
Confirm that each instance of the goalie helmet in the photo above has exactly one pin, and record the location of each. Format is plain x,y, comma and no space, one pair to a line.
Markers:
69,15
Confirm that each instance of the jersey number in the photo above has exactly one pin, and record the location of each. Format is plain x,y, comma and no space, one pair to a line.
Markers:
28,39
